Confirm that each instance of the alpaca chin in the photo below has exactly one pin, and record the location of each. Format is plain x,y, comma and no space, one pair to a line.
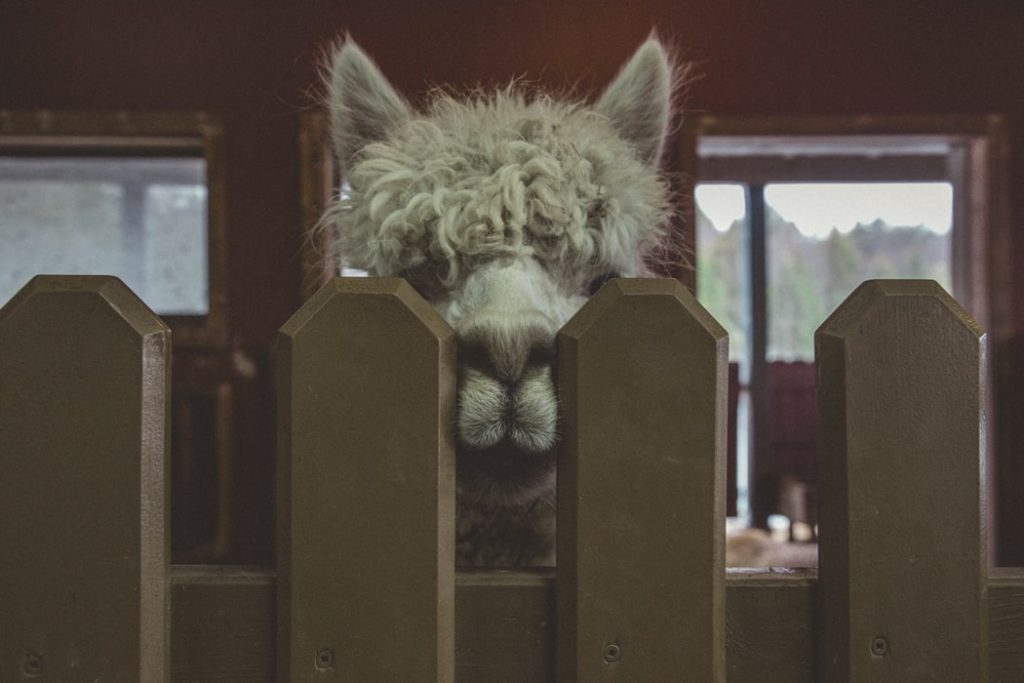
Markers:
504,476
507,436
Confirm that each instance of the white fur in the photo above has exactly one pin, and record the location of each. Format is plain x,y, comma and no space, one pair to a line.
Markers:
639,100
501,208
363,106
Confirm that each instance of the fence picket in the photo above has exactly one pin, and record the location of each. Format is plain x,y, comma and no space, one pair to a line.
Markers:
83,538
901,438
366,396
365,585
642,380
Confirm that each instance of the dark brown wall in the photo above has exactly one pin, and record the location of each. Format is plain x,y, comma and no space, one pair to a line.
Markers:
254,62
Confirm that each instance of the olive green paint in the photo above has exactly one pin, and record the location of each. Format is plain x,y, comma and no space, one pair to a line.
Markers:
366,490
642,384
223,626
366,505
902,521
83,538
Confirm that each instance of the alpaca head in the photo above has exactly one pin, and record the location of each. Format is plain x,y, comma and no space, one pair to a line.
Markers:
506,210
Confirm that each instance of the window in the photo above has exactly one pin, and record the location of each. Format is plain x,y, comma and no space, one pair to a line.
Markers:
139,197
143,220
821,241
320,182
789,216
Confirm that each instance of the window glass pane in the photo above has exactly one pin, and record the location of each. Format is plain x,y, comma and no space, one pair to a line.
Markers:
174,269
825,239
141,219
722,262
723,287
345,192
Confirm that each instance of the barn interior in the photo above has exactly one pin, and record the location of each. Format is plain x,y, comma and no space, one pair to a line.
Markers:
185,143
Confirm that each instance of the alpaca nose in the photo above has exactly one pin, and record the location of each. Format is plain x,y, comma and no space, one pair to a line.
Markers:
507,342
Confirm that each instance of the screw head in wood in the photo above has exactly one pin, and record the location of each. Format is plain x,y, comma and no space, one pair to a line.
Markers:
879,646
325,659
32,665
612,652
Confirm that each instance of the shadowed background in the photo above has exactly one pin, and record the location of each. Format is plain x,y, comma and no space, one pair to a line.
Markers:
255,64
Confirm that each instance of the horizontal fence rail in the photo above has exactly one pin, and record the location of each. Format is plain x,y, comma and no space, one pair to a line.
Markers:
222,626
365,587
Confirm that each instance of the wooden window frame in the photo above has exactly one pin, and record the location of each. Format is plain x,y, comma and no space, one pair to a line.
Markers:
976,163
318,181
979,154
143,134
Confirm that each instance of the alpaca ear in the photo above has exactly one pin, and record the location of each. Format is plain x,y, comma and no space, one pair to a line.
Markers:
362,104
639,100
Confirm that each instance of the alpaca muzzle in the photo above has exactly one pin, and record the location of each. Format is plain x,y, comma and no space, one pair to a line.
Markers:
523,415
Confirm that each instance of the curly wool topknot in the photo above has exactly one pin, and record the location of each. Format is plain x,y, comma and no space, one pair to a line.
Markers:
500,174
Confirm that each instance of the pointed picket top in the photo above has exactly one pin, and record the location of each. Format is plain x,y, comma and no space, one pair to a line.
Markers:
642,384
612,293
366,487
901,387
117,295
871,293
404,295
84,386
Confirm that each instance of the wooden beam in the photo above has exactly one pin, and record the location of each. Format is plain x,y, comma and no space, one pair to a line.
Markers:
763,480
900,465
83,456
821,168
1006,624
139,170
222,625
366,487
642,381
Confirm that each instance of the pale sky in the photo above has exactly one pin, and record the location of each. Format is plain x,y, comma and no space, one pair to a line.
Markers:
816,207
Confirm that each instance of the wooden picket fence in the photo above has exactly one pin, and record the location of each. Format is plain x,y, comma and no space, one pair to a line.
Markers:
365,588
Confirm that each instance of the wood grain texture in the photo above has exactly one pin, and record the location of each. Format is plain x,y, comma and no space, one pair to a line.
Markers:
1006,625
642,382
222,626
83,538
505,626
366,487
900,461
770,625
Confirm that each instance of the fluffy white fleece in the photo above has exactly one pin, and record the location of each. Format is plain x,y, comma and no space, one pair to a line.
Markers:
505,210
501,174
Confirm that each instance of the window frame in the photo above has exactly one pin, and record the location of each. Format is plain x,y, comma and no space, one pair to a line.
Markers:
318,181
143,134
976,169
976,165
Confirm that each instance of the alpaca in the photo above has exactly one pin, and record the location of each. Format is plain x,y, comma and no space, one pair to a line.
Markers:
506,211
